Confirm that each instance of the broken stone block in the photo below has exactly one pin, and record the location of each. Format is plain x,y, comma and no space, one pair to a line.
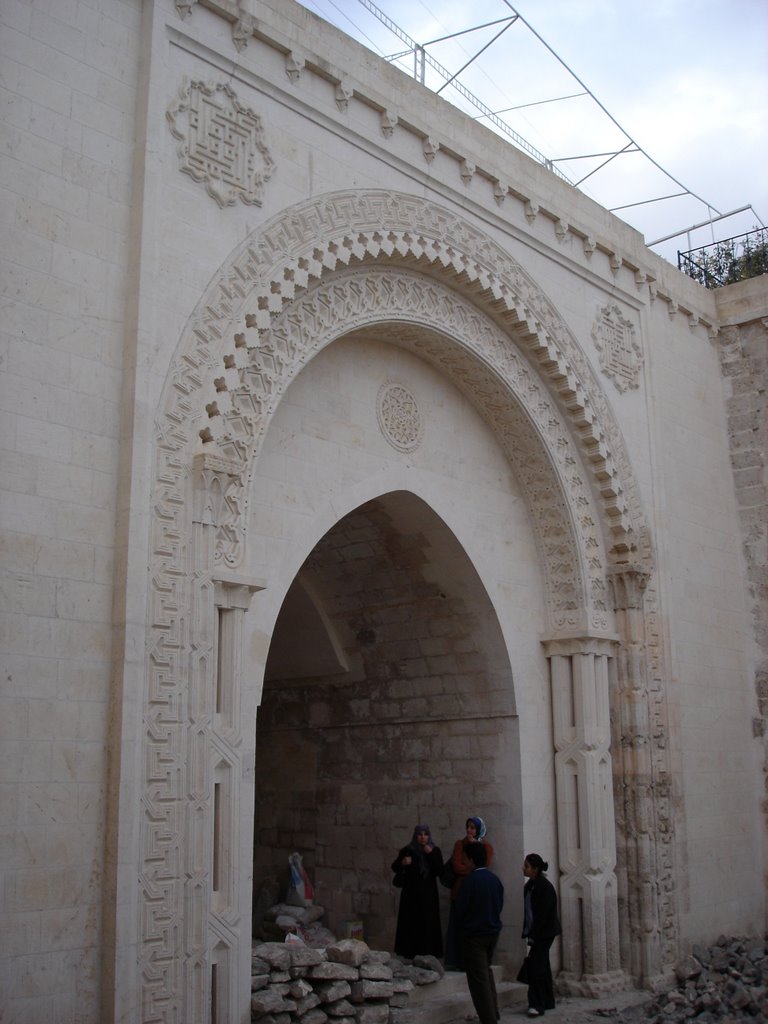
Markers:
349,951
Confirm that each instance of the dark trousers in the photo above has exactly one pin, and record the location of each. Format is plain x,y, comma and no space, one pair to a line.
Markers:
541,992
477,952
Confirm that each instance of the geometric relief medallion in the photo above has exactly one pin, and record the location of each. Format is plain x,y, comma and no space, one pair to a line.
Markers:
220,142
399,417
620,355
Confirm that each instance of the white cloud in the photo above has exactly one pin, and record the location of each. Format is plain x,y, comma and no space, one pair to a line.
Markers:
689,83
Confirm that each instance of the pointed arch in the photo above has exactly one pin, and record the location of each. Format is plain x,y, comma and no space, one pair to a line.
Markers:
334,265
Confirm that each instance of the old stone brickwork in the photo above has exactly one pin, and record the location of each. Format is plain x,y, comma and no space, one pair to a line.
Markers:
357,471
744,359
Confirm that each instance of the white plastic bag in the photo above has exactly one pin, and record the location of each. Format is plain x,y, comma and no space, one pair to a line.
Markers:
300,892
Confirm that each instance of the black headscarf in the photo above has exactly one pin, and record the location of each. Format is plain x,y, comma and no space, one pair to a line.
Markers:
419,857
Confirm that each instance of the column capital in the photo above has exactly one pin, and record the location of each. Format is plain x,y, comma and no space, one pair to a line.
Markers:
565,646
628,583
235,591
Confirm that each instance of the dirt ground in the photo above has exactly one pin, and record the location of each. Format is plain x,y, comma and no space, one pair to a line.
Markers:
618,1008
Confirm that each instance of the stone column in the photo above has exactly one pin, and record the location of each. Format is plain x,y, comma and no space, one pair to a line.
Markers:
218,854
637,863
579,674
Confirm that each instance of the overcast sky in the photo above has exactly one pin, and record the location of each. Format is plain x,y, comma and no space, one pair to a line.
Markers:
688,82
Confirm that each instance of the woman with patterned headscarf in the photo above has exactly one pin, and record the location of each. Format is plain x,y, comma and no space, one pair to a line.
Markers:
463,866
417,868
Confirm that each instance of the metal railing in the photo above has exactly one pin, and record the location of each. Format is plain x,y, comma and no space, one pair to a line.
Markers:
734,259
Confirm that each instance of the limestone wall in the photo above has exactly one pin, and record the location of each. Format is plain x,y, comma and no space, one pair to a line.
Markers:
128,307
70,73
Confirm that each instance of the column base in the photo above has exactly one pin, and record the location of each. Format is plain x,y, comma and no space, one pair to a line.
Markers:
592,986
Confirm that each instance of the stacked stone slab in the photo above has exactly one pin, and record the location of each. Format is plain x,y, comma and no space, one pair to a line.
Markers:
721,984
344,983
306,921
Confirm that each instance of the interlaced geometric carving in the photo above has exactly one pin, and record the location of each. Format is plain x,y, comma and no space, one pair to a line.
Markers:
220,142
399,417
620,355
569,425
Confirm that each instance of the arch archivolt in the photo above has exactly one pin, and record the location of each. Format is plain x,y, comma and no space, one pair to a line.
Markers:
344,262
347,229
450,332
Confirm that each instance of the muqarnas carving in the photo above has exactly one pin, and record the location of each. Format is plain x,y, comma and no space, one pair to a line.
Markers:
221,142
620,355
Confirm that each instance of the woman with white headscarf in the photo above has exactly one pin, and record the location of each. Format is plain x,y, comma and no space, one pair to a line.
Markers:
463,866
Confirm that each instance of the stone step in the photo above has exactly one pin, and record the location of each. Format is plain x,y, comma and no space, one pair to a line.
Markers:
448,1000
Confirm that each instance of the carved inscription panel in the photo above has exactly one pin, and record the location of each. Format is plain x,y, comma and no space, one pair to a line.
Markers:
221,142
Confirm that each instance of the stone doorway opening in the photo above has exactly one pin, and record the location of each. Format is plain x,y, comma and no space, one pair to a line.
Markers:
388,700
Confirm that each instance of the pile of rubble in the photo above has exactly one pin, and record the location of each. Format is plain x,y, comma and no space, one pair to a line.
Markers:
345,982
722,984
306,921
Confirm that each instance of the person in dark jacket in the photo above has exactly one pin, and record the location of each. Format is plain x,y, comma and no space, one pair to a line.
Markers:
477,910
541,926
417,868
462,866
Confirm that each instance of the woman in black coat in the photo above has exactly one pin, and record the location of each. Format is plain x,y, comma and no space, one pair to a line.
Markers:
541,926
417,868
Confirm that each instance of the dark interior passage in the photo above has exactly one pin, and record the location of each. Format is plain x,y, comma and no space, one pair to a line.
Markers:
388,700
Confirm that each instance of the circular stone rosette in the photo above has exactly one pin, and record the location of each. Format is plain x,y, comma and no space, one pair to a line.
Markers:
399,418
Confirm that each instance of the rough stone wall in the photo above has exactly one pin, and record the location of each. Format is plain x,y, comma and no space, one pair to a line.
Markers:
744,361
348,763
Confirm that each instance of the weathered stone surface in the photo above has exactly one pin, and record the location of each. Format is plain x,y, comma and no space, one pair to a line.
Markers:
306,1003
376,971
401,984
300,988
306,956
341,1008
689,967
316,1016
269,1001
330,991
723,983
329,971
372,1013
276,954
379,956
362,990
349,951
429,963
416,974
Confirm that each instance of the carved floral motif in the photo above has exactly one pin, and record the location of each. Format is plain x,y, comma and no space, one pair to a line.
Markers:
399,418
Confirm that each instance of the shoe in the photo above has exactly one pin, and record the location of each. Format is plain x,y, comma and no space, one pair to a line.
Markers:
533,1013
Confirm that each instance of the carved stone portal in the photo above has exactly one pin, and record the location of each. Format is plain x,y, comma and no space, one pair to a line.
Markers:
507,349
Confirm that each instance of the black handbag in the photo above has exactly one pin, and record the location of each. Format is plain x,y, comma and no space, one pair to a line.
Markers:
522,974
448,876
